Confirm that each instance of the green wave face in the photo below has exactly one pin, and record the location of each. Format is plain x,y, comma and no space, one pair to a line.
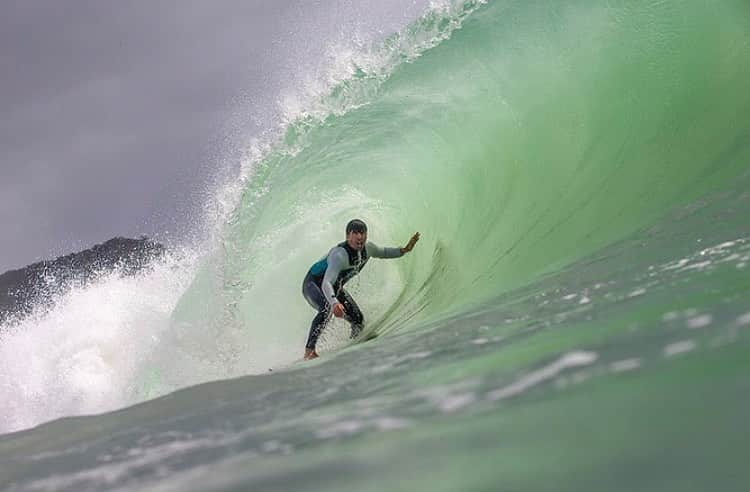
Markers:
535,134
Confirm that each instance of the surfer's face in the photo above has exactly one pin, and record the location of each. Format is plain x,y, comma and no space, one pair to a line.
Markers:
356,240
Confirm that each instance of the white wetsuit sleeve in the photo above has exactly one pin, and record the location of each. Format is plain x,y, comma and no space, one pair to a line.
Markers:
338,260
376,251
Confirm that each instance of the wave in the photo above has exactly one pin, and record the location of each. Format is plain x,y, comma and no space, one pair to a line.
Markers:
516,137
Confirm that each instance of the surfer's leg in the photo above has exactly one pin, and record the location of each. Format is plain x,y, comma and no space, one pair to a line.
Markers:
316,328
353,313
317,300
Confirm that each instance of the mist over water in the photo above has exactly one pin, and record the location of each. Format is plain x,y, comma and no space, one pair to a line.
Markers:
579,176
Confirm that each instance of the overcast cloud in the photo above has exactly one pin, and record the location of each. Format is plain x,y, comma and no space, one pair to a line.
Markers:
114,114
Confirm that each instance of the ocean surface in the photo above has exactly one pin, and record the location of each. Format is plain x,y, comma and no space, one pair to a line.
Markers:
575,317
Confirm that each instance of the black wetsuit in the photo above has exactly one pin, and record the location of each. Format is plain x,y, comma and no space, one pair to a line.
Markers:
324,285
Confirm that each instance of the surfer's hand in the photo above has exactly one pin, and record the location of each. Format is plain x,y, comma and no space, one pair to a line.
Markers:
338,310
410,245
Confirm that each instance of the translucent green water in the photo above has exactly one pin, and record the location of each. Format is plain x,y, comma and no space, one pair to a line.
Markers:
537,134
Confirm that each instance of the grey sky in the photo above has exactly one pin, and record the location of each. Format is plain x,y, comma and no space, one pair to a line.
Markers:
114,114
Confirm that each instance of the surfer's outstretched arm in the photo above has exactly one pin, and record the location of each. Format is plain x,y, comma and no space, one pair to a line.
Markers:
378,252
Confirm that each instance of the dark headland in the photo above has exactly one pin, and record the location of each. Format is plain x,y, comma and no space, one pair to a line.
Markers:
37,284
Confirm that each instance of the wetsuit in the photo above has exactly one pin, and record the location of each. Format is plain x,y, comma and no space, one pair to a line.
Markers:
324,285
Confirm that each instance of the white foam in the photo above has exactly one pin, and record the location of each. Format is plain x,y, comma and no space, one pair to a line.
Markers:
342,428
417,355
718,248
677,265
452,397
680,347
354,426
637,292
391,423
699,321
625,365
454,403
701,265
84,355
571,359
744,319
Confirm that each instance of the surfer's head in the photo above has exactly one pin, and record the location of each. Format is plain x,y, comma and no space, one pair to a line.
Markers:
356,234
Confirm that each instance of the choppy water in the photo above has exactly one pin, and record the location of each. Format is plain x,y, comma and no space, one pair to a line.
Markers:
575,316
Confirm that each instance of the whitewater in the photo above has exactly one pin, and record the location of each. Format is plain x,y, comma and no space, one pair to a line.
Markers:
575,316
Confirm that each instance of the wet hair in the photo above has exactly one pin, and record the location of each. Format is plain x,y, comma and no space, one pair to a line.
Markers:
356,225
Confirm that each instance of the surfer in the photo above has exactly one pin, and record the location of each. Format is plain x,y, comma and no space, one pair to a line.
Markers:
323,286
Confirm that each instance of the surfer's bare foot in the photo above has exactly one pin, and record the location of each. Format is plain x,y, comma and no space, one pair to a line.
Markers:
310,354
